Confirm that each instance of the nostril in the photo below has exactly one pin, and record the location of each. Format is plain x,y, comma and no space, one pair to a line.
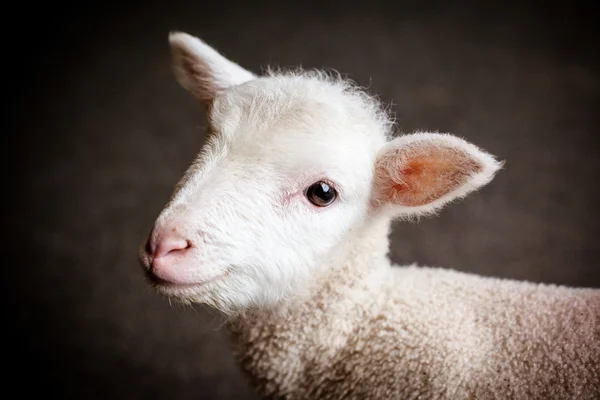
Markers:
171,246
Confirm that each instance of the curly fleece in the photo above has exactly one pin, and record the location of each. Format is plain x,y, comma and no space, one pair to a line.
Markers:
376,331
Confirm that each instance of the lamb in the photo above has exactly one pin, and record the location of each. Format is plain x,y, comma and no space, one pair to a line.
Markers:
282,223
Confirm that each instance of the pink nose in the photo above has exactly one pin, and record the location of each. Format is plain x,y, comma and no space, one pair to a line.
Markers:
165,245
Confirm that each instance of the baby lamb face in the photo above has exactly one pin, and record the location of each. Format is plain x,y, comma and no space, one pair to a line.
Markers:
292,163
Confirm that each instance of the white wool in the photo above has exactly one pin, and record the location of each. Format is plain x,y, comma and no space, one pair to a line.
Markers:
315,307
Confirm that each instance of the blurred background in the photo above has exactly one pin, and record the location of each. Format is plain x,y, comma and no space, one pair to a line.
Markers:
102,132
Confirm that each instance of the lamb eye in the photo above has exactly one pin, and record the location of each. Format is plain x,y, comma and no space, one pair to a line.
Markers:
321,194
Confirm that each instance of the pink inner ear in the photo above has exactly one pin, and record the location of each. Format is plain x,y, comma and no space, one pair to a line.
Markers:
419,175
200,74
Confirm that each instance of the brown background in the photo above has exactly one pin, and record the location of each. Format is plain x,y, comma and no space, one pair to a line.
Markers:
102,132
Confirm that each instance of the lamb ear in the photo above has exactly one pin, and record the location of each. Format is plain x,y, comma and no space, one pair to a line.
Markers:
421,172
201,69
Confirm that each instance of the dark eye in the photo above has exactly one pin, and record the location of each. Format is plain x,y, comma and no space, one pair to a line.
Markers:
321,194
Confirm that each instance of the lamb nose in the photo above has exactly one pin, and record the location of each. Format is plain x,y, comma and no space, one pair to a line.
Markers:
167,245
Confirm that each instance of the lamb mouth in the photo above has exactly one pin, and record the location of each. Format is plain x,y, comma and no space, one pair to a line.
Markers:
160,283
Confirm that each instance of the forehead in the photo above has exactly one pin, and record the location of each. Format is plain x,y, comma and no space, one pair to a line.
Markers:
294,120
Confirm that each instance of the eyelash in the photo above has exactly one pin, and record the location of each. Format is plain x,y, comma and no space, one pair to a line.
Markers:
325,180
